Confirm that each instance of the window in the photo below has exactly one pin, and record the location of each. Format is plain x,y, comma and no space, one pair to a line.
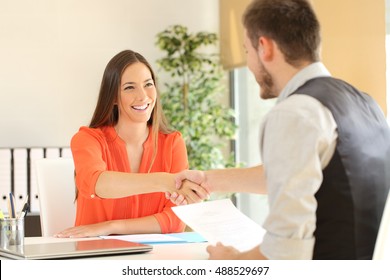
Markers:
250,109
388,58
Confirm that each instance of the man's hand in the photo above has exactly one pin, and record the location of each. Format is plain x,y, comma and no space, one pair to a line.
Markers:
191,188
221,252
189,193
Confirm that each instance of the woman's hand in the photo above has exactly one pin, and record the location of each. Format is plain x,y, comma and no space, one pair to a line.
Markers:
86,231
191,187
188,193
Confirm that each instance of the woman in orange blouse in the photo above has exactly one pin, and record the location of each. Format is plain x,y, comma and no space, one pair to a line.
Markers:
124,159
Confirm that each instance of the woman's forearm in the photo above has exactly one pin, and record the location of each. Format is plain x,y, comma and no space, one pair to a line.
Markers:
148,224
111,184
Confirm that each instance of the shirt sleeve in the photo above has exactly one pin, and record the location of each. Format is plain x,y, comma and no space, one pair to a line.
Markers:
167,219
293,169
88,159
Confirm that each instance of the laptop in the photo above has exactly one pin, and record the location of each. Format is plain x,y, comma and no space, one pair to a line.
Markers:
74,249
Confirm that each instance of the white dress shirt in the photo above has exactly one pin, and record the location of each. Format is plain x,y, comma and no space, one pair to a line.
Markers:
297,140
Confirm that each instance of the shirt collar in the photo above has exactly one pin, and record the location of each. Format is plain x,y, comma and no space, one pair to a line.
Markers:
311,71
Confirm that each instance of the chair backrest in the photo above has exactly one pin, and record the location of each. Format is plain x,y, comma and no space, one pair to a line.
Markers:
56,193
382,245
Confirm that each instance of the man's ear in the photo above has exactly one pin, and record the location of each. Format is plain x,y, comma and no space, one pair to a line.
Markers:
266,48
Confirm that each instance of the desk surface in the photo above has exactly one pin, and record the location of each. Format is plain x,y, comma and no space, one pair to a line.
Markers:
180,251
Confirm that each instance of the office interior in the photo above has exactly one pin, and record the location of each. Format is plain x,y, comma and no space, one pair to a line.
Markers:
53,53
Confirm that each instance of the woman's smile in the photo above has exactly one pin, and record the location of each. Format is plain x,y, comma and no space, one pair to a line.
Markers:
141,107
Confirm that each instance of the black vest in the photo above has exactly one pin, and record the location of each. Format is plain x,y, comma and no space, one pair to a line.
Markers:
356,181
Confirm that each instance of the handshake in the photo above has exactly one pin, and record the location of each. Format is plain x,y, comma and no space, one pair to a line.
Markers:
190,187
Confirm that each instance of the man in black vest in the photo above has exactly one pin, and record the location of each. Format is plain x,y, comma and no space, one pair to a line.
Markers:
325,146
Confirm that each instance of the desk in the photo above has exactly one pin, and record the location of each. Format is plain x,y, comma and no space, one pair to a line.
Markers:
179,251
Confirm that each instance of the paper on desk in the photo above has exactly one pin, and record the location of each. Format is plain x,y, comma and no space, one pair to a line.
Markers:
220,220
183,237
145,238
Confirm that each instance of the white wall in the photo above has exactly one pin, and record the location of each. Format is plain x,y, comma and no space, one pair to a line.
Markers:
53,53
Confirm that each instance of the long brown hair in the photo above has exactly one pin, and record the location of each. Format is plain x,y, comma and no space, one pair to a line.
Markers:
106,112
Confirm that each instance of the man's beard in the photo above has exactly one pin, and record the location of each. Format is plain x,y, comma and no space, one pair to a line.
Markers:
266,83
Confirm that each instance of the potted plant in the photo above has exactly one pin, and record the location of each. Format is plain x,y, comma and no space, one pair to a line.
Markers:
192,97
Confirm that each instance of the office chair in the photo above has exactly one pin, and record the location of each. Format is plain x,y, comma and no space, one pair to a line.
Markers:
382,245
56,193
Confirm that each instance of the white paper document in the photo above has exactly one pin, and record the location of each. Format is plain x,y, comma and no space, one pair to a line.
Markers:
181,237
145,238
220,220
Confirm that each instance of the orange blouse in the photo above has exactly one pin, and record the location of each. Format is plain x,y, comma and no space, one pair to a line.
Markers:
100,149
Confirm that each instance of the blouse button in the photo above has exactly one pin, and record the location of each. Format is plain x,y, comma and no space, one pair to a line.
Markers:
92,196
